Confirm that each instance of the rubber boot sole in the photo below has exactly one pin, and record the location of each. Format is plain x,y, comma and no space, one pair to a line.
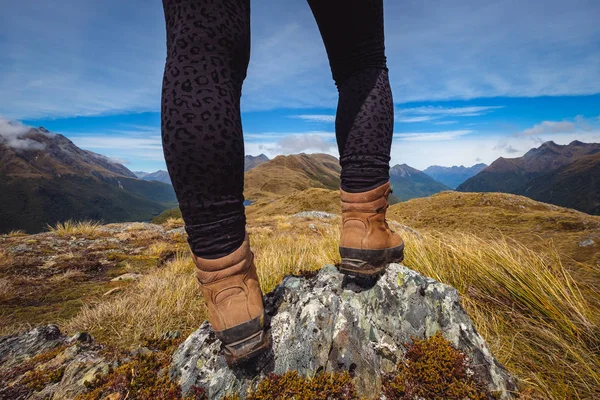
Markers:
368,263
244,342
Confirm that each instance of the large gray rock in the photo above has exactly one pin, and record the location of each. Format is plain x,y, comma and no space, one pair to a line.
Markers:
329,323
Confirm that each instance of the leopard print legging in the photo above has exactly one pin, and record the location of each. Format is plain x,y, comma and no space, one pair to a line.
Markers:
208,51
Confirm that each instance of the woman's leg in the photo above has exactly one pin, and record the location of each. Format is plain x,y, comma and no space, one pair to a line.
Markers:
353,34
208,50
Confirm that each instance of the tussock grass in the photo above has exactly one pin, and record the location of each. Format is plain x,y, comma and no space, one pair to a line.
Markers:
168,299
538,320
525,304
74,228
69,275
157,249
173,222
6,259
6,289
15,233
282,252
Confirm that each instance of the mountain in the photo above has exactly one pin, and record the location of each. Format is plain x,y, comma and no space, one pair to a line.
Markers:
141,174
160,176
453,176
284,175
46,178
542,173
163,176
254,161
576,185
409,183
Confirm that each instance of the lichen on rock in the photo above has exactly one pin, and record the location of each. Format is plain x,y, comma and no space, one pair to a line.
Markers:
330,323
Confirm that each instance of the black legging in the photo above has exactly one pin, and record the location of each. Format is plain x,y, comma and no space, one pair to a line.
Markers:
208,51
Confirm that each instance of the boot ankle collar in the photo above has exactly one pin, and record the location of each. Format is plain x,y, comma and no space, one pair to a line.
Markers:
368,196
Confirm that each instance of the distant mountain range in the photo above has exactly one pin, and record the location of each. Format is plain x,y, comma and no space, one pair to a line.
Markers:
163,176
46,178
409,183
565,175
254,161
160,176
453,176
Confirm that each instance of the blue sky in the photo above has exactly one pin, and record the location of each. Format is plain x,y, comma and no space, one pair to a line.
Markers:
471,80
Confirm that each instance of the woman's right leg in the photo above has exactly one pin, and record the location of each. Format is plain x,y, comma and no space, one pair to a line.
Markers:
353,34
208,50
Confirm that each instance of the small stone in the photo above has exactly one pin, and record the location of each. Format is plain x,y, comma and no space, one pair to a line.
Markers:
315,214
130,276
586,243
81,337
113,396
142,351
312,227
171,335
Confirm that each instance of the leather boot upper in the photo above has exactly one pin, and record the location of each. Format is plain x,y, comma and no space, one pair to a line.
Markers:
230,287
363,220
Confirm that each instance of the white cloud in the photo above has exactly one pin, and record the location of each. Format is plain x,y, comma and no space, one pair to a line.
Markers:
469,111
11,133
431,136
415,119
96,58
550,127
315,117
307,143
446,122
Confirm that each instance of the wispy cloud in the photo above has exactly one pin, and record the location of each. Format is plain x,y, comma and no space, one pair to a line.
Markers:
98,58
302,143
315,117
445,122
431,136
416,119
550,127
432,113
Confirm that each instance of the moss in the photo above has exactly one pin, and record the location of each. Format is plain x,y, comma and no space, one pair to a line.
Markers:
323,386
433,369
145,377
41,378
10,374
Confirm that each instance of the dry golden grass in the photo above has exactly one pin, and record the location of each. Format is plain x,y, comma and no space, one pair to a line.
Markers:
6,259
539,321
157,249
173,223
6,289
525,304
68,275
167,299
15,233
74,228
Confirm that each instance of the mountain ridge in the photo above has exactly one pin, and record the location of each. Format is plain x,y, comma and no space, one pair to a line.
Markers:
455,175
540,167
45,178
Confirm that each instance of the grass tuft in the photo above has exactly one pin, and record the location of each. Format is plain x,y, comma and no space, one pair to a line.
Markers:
73,228
167,299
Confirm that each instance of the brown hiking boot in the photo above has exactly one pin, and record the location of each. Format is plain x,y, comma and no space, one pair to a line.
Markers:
367,243
235,303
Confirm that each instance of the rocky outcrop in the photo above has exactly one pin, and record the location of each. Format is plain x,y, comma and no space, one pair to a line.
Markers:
331,323
44,357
